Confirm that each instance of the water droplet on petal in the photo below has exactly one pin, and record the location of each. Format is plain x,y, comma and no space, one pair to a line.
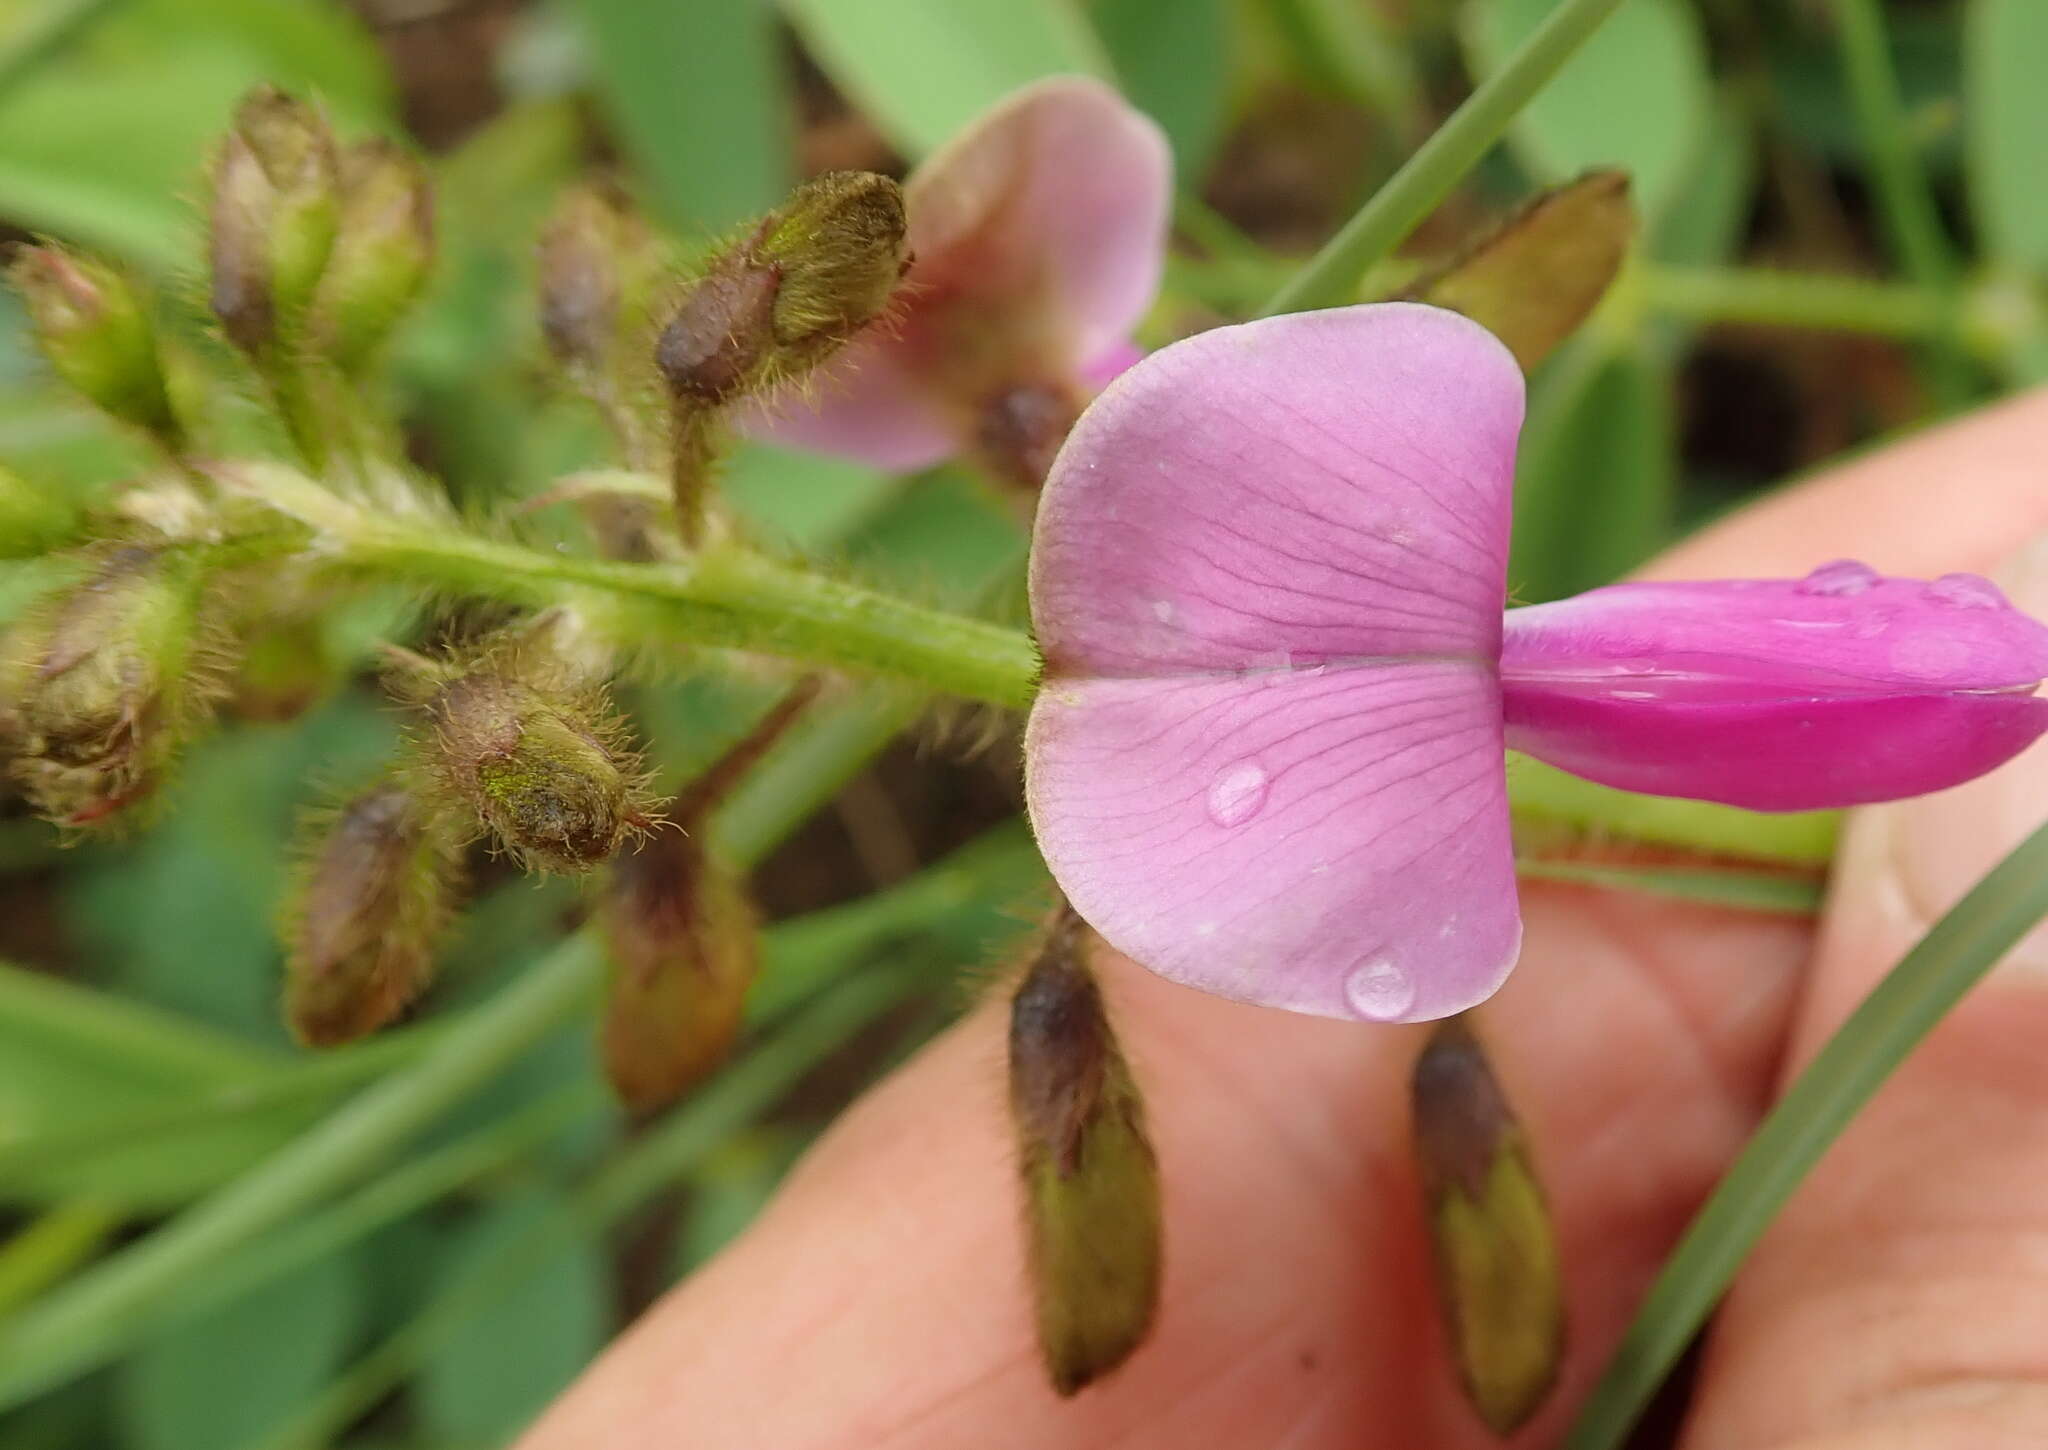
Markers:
1380,990
1237,793
1840,578
1967,591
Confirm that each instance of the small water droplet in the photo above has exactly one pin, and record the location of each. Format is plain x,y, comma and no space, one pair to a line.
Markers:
1379,990
1966,591
1841,578
1237,793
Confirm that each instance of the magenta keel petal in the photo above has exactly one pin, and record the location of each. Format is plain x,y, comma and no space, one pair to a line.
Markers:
1333,842
1838,689
1319,488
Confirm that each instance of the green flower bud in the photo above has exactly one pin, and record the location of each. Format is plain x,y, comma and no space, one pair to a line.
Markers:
96,333
361,925
106,682
540,769
1490,1233
1091,1183
839,245
383,249
680,933
32,520
275,208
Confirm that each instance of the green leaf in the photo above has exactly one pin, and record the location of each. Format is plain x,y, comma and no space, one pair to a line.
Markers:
1174,59
222,1378
1595,483
700,100
922,69
1705,223
530,1332
1636,96
2006,115
1547,796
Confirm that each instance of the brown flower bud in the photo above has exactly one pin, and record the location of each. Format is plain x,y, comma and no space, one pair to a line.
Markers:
383,249
539,768
681,937
722,336
1091,1183
362,923
597,259
274,210
1490,1232
97,334
106,682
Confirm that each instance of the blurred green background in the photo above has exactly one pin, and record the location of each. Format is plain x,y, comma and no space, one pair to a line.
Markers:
1826,256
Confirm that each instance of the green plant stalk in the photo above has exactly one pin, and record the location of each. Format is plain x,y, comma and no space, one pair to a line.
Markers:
1931,978
50,1340
52,1246
1905,196
732,1100
1332,275
1806,300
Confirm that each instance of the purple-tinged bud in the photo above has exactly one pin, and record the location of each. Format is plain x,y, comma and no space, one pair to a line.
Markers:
1091,1183
33,520
97,334
1490,1232
722,337
106,682
363,920
275,207
680,932
541,769
1539,274
597,262
383,250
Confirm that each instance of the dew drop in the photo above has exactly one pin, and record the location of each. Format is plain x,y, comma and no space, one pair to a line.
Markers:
1966,591
1379,991
1237,793
1841,578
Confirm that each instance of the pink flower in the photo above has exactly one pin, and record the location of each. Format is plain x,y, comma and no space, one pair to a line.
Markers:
1037,238
1268,580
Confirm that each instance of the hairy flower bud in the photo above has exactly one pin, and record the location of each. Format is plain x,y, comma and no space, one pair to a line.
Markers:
105,682
597,260
383,248
541,769
274,210
1091,1183
1490,1232
722,336
362,922
839,245
96,333
680,932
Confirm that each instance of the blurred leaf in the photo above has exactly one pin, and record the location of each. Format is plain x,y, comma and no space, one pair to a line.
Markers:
1547,796
2005,92
1597,474
238,1371
729,1191
1816,114
530,1334
105,144
1174,60
701,102
1705,223
922,69
1635,96
1716,886
1543,271
803,500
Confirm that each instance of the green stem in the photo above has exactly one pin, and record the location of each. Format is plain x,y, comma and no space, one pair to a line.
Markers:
1332,275
47,1342
735,1098
1807,300
51,1247
1905,1007
1905,196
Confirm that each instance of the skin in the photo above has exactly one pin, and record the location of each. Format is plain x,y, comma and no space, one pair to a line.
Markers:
1901,1300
